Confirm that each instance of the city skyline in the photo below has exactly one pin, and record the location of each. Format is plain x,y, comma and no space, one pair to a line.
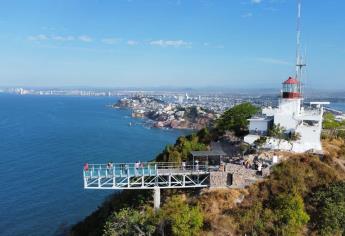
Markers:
136,43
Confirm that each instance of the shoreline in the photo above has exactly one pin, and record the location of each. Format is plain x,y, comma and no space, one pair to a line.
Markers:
163,115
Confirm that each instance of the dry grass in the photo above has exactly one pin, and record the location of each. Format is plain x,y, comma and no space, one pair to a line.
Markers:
214,202
334,147
301,171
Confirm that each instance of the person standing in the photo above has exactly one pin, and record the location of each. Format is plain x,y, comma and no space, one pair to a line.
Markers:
136,167
86,167
183,165
260,168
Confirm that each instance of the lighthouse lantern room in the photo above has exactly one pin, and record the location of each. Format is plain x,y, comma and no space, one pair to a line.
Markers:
291,89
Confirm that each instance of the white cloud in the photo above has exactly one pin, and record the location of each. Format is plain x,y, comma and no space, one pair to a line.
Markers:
85,38
170,43
132,42
62,38
39,37
110,40
273,61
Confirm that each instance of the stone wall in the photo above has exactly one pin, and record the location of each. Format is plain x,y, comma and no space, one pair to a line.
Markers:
218,179
236,176
242,176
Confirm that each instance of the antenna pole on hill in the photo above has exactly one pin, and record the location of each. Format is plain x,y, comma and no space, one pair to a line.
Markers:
299,60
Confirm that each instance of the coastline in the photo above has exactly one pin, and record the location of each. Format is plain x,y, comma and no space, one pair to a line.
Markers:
163,115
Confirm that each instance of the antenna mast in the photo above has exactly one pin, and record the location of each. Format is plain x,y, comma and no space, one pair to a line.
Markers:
299,60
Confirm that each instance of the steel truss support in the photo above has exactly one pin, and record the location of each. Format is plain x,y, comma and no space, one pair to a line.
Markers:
173,180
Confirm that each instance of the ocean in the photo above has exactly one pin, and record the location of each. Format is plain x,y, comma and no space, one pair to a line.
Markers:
338,106
44,142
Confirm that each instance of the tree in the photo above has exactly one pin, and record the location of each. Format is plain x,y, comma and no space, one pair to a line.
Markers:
129,221
290,213
277,132
182,148
236,118
181,218
329,205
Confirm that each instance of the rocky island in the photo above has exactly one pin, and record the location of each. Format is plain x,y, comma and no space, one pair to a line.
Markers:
164,114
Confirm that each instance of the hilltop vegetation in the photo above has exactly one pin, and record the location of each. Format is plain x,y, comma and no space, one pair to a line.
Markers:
304,195
236,118
333,128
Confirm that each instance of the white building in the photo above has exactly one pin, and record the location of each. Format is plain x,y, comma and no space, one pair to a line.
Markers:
260,125
293,118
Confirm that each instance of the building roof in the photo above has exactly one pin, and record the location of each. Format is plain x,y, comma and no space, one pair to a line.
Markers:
208,153
261,119
291,81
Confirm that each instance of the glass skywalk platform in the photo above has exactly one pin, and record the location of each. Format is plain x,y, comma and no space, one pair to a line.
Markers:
148,175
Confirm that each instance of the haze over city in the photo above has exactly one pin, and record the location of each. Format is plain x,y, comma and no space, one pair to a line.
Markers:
180,43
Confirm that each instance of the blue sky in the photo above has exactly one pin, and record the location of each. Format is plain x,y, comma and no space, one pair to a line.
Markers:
180,43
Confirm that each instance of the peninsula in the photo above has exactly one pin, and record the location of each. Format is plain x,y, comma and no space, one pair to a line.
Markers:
163,114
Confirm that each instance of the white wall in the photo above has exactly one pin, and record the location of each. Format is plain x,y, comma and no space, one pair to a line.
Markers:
258,125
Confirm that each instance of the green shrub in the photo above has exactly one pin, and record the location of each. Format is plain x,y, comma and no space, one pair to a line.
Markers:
290,213
180,218
329,209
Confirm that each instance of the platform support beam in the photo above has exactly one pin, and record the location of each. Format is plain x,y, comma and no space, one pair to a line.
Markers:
156,198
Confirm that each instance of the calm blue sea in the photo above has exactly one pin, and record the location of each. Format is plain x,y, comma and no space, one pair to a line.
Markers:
338,106
44,142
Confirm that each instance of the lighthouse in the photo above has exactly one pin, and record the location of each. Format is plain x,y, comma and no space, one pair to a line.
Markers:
291,115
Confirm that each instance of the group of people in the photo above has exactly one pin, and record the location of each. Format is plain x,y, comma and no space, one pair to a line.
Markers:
258,165
124,167
195,166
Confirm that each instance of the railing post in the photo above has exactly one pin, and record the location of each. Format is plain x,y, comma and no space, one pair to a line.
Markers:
114,177
99,178
169,178
128,177
85,182
183,180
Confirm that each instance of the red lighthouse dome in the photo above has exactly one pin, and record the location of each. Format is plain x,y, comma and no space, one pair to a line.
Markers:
291,88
